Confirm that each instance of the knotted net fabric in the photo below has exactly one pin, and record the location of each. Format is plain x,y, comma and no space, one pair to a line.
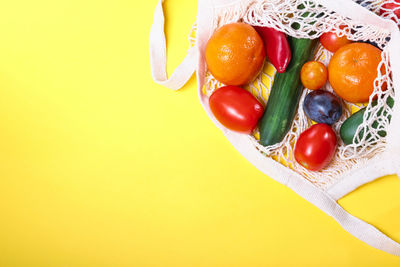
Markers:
306,19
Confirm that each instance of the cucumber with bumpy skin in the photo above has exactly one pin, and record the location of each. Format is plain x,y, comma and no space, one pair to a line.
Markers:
350,125
285,94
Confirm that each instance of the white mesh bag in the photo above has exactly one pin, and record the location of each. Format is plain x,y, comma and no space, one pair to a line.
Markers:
371,157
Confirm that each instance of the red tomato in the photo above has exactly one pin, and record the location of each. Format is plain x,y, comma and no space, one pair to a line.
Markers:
315,147
332,42
236,108
388,9
314,75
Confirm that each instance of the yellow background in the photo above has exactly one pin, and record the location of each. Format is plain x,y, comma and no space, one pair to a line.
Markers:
99,166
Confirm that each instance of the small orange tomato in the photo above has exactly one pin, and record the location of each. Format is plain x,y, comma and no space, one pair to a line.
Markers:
332,42
314,75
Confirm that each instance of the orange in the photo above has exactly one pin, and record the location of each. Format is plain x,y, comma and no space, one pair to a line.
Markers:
235,54
352,71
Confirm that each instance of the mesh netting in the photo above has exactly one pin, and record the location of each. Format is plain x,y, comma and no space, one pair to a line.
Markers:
310,21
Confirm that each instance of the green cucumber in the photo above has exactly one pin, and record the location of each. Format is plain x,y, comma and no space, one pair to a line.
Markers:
349,126
285,94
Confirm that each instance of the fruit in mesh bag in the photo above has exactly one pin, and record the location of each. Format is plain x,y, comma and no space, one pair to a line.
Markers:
316,147
353,70
322,107
277,48
332,42
391,8
236,108
349,127
235,54
285,94
313,75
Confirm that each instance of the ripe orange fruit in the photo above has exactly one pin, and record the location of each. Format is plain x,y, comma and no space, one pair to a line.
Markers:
352,71
235,54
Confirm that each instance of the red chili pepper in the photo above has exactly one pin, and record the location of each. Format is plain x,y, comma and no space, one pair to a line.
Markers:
276,46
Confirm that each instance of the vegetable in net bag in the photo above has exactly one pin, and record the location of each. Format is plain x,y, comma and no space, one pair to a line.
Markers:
375,148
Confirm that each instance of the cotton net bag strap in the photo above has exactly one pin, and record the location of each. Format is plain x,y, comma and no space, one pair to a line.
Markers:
158,56
206,22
